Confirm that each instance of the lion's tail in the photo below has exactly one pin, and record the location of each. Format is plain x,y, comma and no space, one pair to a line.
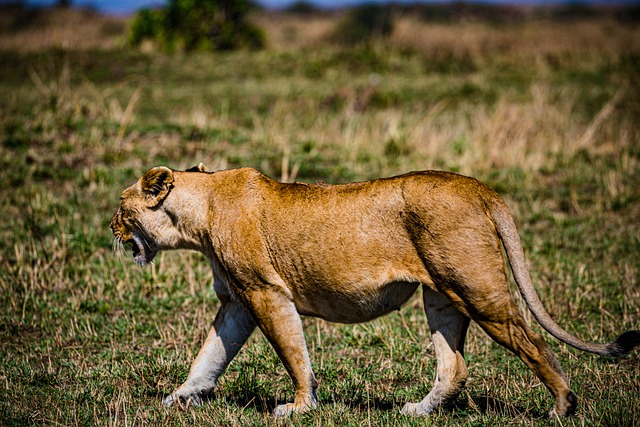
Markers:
508,233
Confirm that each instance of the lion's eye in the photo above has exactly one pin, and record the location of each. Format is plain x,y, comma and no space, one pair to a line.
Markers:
129,218
126,219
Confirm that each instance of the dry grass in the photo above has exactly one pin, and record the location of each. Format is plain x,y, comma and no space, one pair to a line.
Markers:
527,41
60,29
527,130
290,32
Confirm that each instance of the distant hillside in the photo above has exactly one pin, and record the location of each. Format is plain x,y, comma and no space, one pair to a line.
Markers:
27,28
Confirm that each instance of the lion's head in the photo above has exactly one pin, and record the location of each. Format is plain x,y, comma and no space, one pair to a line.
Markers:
140,220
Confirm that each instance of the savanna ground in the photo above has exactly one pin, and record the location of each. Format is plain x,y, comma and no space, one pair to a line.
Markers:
545,112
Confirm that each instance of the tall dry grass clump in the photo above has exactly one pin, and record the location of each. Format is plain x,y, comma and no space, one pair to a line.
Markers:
529,135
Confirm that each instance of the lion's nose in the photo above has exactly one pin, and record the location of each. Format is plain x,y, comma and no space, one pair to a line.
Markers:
113,220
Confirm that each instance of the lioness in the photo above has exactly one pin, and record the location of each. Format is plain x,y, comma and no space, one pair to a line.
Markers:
347,253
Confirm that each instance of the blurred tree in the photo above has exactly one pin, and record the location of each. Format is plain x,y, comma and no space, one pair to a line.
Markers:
198,25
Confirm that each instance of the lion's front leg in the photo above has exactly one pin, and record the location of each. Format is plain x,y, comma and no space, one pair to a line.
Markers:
231,328
280,322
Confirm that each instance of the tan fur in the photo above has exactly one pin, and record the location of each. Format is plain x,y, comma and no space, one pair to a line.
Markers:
345,253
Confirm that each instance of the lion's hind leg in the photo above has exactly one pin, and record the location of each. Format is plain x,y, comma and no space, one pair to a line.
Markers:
448,330
487,300
508,328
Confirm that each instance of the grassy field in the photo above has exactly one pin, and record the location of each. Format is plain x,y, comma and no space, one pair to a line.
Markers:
545,112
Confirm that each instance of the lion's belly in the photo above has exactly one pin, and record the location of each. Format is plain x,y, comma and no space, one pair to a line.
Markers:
351,285
354,303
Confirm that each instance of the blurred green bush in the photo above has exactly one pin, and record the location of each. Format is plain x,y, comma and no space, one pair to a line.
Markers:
198,25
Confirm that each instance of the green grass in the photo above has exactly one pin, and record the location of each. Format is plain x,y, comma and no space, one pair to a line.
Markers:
87,337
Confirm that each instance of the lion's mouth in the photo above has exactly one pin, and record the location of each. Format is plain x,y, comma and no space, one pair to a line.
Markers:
143,254
135,248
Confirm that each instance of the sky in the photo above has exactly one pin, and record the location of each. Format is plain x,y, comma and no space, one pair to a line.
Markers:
123,7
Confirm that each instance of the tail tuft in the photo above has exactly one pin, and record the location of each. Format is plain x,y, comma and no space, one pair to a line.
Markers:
624,344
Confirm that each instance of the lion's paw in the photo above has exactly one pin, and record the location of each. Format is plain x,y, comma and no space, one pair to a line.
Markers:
186,398
415,410
293,408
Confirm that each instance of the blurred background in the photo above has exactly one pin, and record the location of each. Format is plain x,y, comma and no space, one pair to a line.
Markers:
127,7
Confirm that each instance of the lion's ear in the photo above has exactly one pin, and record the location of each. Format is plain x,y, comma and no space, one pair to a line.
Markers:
156,184
200,168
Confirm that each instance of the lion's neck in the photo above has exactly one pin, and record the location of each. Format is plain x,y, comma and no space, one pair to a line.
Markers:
188,206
